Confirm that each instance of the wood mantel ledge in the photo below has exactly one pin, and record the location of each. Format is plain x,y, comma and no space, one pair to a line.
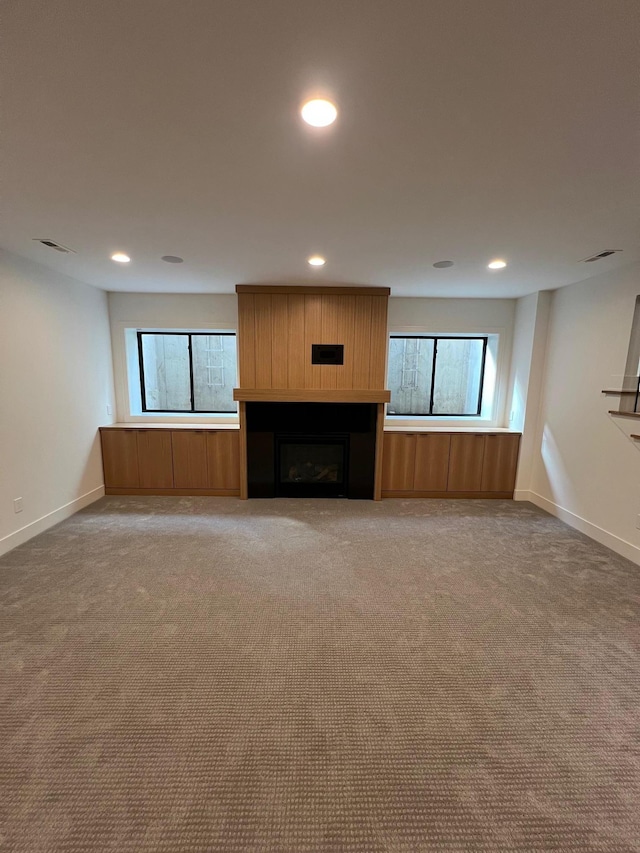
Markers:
309,395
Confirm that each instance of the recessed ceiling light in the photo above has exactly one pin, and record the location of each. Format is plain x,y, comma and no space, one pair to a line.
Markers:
498,264
172,259
441,265
316,261
120,258
319,113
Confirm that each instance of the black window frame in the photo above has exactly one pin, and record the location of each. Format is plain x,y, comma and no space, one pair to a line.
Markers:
190,335
435,339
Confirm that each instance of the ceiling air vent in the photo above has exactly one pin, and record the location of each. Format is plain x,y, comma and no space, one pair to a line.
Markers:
601,255
53,245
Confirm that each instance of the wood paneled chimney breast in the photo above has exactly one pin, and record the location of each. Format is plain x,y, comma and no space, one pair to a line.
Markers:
278,327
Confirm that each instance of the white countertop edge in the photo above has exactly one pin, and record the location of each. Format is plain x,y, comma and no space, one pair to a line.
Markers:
143,425
471,429
214,427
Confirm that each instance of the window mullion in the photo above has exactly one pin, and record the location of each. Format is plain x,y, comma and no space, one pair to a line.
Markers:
433,374
191,389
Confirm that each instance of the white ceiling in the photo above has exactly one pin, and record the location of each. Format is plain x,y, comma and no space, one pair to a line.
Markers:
468,130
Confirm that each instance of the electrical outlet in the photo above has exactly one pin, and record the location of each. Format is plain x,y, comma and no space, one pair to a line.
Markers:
512,416
17,505
109,409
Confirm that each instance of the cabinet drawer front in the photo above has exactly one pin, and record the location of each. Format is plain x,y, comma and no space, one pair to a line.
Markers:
465,463
120,458
189,459
154,459
432,462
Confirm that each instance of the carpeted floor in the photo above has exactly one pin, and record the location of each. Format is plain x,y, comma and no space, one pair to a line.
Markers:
205,674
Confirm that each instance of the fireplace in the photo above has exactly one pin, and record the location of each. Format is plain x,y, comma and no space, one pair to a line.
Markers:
311,466
311,449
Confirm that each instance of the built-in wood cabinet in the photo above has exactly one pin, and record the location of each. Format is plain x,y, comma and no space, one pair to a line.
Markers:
415,461
120,458
155,463
432,461
500,462
398,461
223,460
170,461
449,464
190,459
207,462
465,463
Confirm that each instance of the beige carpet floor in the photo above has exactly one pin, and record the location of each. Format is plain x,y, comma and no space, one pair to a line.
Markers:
205,674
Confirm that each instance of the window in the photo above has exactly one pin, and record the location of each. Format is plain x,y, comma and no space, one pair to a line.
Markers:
186,372
438,376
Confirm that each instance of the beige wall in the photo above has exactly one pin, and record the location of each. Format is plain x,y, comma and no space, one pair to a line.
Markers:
55,386
162,311
585,468
460,316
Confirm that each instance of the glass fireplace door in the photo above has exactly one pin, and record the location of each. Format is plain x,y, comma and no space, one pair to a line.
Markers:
311,466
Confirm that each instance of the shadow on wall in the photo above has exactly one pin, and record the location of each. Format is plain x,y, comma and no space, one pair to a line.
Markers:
555,471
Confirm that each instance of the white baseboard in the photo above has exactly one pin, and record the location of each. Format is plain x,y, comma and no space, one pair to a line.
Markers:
19,537
616,543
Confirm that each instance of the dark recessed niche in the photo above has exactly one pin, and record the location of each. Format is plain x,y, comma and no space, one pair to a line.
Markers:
327,354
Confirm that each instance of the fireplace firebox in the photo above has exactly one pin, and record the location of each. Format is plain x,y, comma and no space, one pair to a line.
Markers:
311,466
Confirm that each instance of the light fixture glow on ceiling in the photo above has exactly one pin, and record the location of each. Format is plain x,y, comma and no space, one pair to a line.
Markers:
316,261
319,113
498,264
120,258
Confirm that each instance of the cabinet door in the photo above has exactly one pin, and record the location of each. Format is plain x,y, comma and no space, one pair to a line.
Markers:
120,458
223,459
398,461
154,459
500,462
189,448
465,463
432,462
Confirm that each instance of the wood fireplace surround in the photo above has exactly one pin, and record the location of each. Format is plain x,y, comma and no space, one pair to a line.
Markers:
312,366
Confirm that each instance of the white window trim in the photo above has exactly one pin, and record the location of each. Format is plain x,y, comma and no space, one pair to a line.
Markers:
500,338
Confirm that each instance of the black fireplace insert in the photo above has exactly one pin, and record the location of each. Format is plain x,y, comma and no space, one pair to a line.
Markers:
311,449
311,466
